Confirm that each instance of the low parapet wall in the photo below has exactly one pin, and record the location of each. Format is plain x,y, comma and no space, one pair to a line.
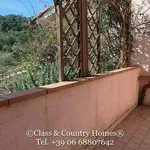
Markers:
92,103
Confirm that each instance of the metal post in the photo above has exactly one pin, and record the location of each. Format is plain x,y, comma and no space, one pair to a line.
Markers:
84,37
129,35
59,23
99,39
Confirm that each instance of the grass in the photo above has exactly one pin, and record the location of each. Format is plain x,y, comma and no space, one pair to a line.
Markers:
7,62
26,79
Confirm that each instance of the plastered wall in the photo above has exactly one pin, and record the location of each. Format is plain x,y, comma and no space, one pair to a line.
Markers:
93,105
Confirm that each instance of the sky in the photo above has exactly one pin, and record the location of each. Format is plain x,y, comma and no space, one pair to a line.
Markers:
26,8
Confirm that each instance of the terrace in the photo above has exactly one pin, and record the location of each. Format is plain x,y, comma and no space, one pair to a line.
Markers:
137,131
103,95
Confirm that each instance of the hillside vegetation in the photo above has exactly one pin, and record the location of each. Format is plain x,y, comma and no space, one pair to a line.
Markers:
33,48
13,30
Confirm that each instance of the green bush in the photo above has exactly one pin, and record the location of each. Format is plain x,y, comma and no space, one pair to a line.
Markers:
27,79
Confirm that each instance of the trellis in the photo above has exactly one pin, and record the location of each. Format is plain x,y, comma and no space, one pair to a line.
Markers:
79,35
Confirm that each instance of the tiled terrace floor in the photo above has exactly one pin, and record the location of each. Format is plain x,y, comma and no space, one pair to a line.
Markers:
137,131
